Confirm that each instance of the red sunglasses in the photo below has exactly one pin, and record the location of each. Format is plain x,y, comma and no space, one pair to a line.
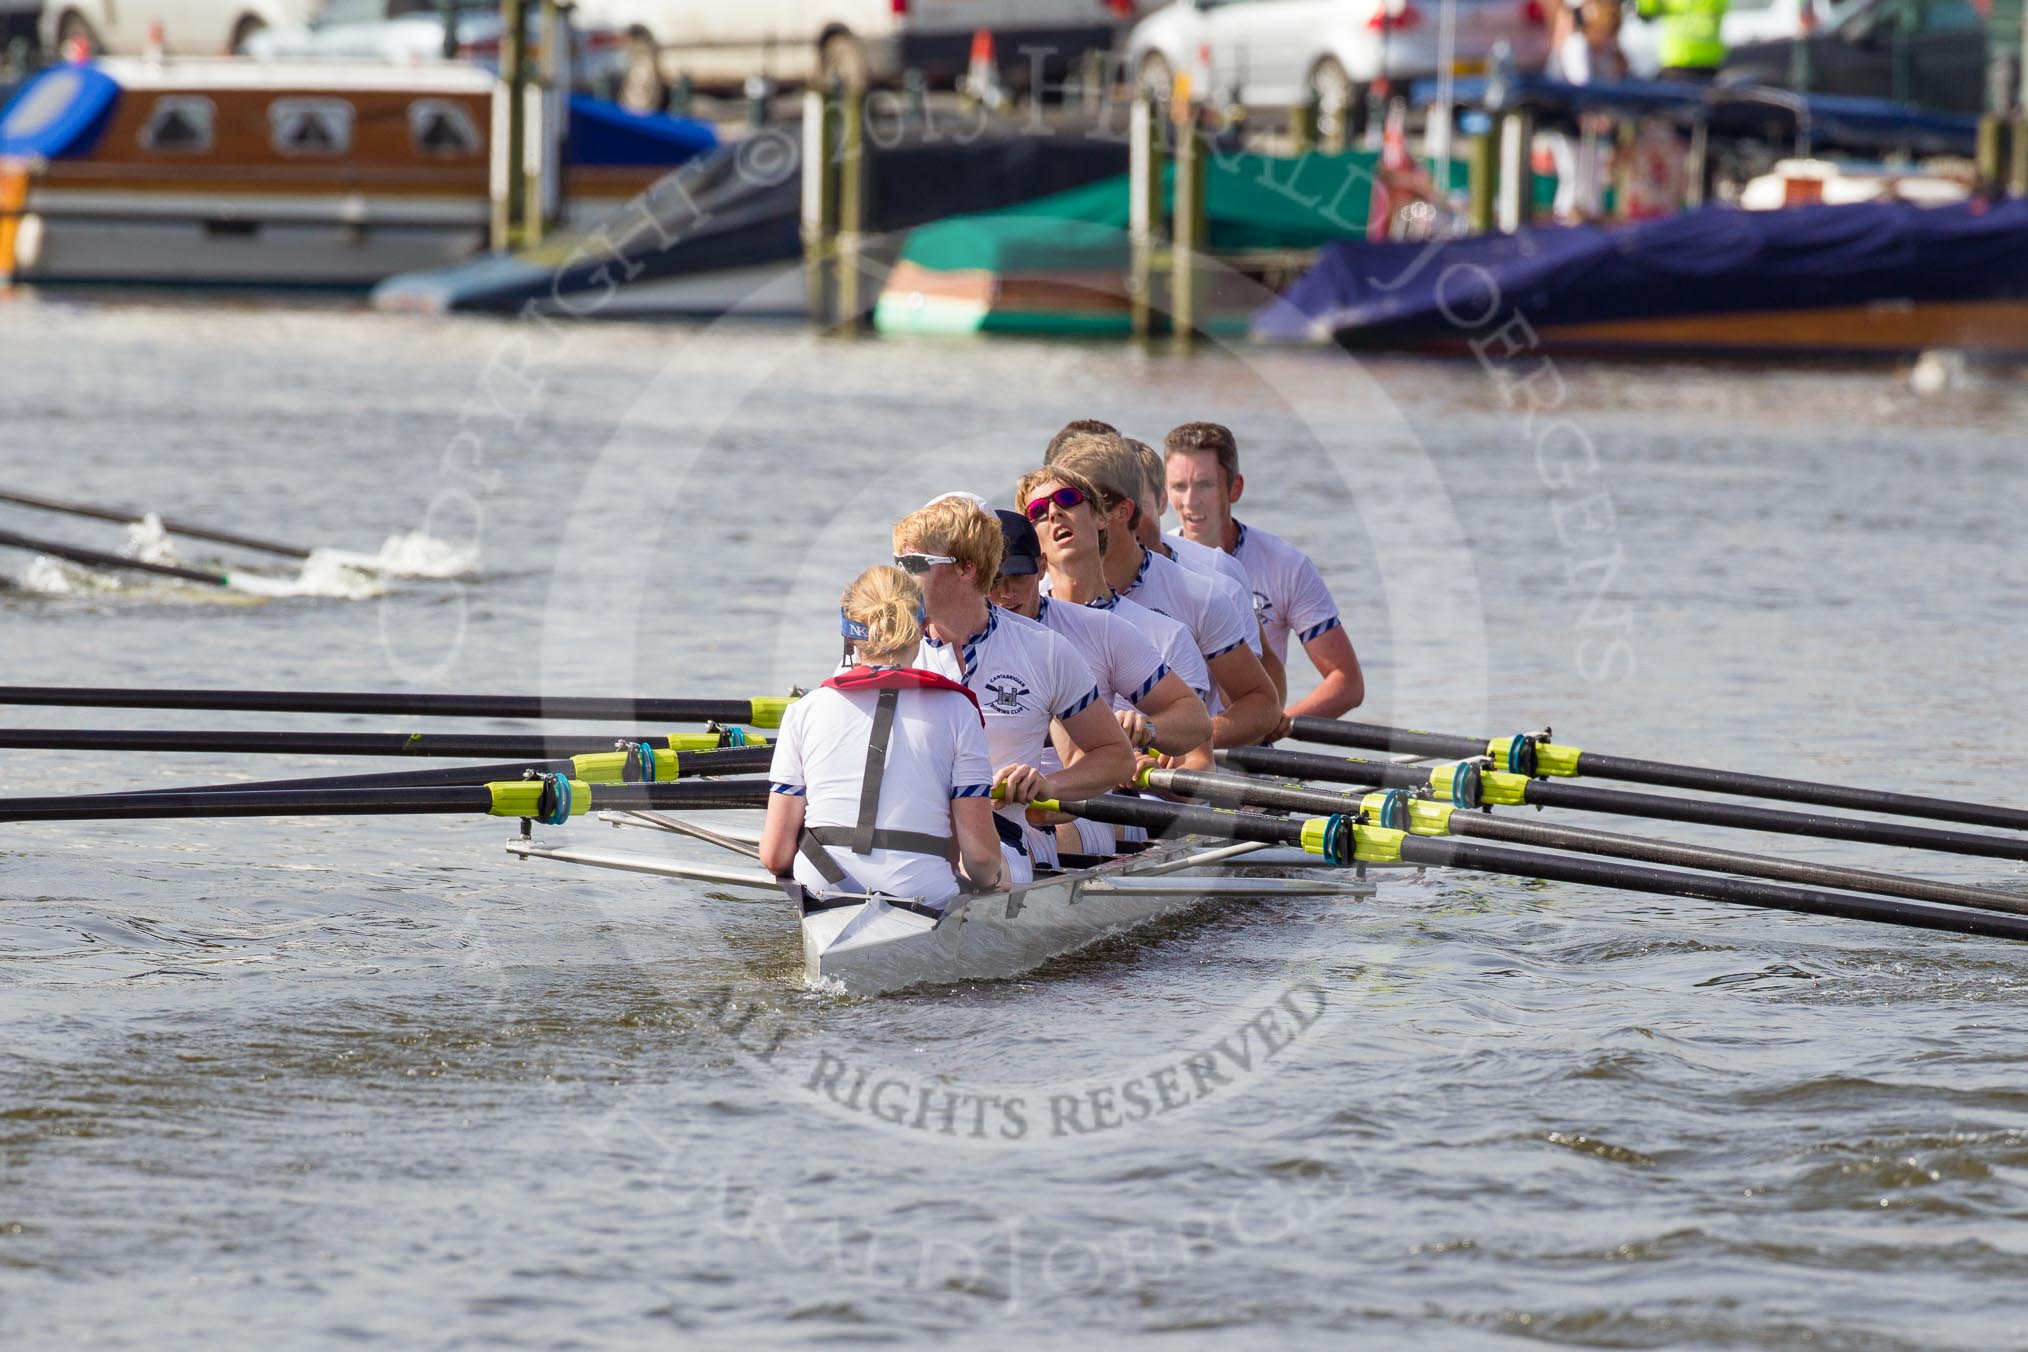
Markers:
1065,497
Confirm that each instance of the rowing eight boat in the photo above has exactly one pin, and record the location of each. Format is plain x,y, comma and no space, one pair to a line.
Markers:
870,945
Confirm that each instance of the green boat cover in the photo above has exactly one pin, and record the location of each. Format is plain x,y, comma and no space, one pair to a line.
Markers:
1253,201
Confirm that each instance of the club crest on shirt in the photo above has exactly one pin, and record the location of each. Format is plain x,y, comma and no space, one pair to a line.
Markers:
1007,694
1262,607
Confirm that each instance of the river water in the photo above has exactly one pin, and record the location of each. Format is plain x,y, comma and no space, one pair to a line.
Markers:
371,1081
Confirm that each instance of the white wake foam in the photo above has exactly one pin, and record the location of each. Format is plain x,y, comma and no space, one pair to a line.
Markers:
149,543
409,554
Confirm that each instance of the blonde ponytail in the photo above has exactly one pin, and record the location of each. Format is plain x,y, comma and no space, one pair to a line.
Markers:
888,603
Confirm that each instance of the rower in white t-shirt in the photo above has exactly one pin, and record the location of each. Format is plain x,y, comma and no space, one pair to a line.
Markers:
1223,627
1290,597
881,778
1026,678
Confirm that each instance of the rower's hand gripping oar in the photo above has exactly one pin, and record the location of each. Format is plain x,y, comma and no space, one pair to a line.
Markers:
1533,754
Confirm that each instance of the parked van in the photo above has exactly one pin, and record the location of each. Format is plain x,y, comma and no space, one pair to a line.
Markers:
722,42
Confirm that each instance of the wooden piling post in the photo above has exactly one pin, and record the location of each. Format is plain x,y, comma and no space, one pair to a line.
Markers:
1483,164
2017,159
1189,229
1092,84
1988,151
820,205
1303,127
1697,165
1516,177
853,202
1144,209
510,193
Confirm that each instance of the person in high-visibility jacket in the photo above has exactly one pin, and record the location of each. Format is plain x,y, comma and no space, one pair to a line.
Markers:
1692,45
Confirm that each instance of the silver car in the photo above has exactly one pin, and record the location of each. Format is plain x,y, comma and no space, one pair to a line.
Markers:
1282,53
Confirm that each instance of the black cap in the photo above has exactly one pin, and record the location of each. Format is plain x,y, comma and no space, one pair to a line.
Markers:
1024,551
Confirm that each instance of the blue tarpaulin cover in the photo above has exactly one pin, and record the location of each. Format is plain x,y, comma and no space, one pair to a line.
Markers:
606,134
59,113
1719,260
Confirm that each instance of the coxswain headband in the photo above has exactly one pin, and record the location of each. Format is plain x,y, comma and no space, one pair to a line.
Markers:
858,632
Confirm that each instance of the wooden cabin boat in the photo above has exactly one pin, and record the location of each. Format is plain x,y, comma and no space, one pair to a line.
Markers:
319,174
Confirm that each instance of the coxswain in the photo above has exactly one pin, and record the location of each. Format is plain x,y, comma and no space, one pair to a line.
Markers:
881,776
1025,676
1204,482
1245,708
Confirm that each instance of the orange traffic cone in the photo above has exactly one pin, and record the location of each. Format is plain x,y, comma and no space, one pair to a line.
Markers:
982,78
155,45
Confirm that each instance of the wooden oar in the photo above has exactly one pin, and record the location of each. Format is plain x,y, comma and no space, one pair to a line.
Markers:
415,745
1343,841
1497,788
130,518
599,767
759,711
99,559
1526,754
541,799
1424,817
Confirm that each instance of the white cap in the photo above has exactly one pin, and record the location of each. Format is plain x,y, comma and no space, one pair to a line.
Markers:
972,498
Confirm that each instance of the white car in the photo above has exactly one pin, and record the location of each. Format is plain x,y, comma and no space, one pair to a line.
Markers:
411,32
185,27
1283,53
723,42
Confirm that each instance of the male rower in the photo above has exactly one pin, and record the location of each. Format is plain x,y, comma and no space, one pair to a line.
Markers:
1248,708
1186,552
1157,707
1202,462
1228,574
1024,675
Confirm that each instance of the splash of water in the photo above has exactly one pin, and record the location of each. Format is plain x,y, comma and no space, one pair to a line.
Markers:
409,554
321,575
149,543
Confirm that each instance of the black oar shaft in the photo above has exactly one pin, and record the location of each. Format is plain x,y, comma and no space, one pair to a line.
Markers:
1310,765
100,559
1237,791
418,745
1470,854
129,518
1169,819
390,703
1586,841
1234,791
690,765
1374,737
444,799
1667,774
1584,798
